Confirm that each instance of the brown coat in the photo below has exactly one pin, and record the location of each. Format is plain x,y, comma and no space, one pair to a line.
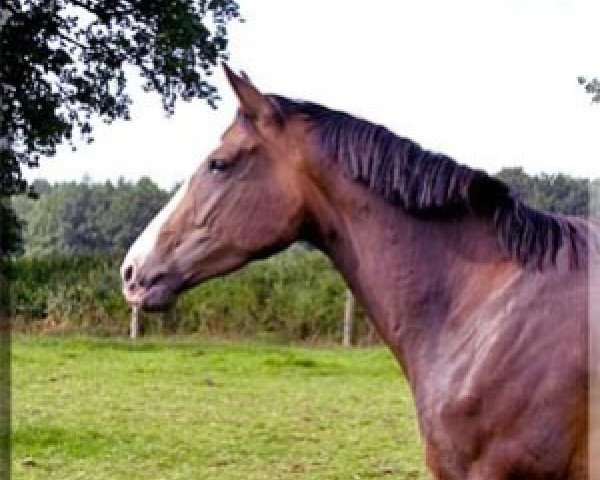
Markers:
483,300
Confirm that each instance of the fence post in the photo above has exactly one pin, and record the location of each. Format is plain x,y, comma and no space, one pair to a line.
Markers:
371,335
348,318
135,323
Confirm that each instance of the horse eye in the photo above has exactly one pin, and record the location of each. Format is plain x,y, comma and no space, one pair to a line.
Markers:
216,165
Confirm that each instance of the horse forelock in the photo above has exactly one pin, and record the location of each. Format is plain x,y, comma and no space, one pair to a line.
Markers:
433,185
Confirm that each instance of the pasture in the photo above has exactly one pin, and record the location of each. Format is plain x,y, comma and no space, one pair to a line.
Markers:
190,408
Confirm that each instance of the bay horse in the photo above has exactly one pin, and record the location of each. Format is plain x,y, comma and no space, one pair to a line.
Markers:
482,299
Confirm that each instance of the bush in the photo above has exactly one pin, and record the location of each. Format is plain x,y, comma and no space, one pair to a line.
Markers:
295,295
74,292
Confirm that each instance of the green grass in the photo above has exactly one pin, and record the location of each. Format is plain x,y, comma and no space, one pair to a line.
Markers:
191,409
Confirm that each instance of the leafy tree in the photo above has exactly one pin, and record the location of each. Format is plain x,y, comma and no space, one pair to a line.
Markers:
85,217
595,197
592,86
521,183
63,61
88,218
565,194
131,207
554,193
11,240
10,227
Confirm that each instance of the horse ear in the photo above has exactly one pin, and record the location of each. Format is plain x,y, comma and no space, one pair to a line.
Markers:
252,102
245,76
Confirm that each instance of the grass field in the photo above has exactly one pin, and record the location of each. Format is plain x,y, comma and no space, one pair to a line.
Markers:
191,409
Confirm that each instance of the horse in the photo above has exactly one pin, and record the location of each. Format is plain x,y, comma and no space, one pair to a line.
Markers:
482,299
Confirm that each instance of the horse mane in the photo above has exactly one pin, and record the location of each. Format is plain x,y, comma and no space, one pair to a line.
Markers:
432,185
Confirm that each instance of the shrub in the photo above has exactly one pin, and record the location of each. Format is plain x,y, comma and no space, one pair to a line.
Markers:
295,295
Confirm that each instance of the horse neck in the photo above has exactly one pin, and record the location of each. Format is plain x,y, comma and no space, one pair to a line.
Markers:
410,274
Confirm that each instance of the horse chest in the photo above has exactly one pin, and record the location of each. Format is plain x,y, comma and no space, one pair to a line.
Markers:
451,428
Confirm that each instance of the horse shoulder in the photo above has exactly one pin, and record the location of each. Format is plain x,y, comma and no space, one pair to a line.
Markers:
515,362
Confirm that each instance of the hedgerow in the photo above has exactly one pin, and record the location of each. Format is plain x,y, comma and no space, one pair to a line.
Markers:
296,295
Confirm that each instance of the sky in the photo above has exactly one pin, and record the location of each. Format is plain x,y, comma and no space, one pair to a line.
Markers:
491,83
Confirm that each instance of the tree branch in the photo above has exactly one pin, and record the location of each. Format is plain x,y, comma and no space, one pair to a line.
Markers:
11,8
72,40
84,5
99,13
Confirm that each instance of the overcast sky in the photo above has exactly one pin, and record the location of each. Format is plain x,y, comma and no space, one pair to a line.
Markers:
490,83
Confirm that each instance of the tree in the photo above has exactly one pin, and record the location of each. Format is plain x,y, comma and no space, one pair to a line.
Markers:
11,241
553,193
521,183
76,218
592,86
63,61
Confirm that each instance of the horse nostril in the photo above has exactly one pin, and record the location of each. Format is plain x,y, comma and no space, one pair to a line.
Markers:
128,274
148,281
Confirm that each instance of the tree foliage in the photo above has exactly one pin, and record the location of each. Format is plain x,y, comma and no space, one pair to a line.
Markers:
557,193
76,218
11,241
64,61
85,217
592,86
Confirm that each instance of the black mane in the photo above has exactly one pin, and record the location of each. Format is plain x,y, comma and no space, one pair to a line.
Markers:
430,184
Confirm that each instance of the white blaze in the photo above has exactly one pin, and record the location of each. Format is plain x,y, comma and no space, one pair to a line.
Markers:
145,243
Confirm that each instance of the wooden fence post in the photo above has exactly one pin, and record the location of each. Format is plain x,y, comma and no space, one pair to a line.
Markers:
348,318
134,328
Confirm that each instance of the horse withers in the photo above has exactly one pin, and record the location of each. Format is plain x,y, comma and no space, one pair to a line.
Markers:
482,299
